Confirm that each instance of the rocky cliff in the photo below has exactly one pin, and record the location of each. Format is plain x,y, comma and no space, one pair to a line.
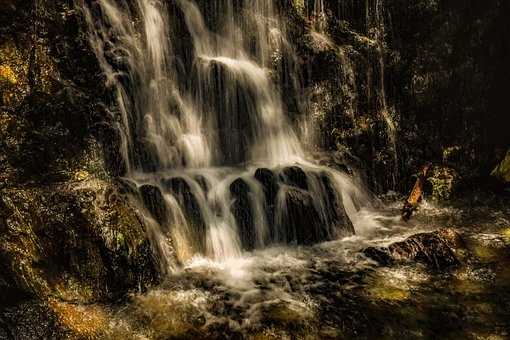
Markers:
67,234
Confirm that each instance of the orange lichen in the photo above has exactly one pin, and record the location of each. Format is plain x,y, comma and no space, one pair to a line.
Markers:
86,322
7,74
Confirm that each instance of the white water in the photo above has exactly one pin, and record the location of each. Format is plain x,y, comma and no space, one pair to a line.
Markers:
319,18
198,118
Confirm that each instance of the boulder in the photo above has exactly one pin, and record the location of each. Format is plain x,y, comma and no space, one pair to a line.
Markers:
294,176
80,244
436,250
269,182
154,202
298,221
243,213
202,181
127,186
337,217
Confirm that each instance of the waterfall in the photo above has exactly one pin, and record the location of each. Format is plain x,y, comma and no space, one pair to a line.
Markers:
212,160
319,18
375,25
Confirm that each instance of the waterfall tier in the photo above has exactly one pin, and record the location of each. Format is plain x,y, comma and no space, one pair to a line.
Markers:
222,211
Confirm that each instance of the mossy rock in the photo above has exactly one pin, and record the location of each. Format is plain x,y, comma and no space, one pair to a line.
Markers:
502,171
80,242
444,182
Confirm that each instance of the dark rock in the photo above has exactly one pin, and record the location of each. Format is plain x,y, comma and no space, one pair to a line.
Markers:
154,202
127,187
243,213
269,182
234,118
81,245
379,254
335,160
437,250
190,207
202,181
294,176
337,217
299,222
31,319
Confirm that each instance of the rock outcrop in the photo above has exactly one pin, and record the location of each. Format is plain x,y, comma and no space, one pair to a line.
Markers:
67,232
502,171
73,241
437,250
242,210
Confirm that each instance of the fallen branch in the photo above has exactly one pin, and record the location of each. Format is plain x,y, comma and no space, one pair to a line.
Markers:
416,195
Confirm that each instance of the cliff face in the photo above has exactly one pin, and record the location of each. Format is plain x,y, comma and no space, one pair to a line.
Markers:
342,51
53,122
428,76
66,232
447,78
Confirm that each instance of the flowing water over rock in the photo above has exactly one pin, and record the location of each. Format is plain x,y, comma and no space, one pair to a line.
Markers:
210,155
332,290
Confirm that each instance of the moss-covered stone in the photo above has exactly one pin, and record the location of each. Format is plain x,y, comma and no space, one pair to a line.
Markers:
437,250
444,182
76,241
502,171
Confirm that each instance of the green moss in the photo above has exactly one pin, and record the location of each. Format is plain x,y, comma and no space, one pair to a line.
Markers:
389,293
299,5
444,181
68,242
502,171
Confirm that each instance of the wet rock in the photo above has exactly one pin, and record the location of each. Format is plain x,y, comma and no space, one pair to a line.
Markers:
502,171
78,244
31,319
127,187
202,181
235,118
154,202
190,207
294,176
444,181
436,250
380,255
335,160
269,182
298,221
337,217
243,213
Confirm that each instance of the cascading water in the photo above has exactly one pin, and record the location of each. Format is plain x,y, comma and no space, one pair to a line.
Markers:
211,158
319,18
391,130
